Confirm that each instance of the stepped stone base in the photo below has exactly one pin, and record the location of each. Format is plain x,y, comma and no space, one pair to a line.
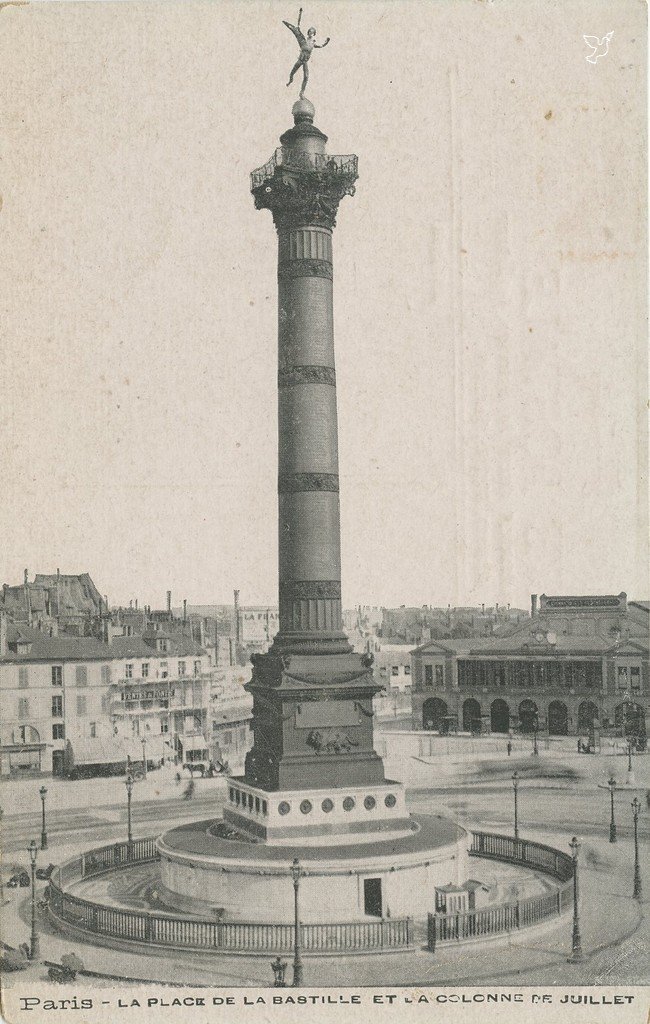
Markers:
202,872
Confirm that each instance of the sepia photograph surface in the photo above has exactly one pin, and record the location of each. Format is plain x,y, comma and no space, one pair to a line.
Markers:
324,608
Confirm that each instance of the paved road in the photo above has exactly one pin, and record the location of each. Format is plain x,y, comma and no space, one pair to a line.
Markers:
616,935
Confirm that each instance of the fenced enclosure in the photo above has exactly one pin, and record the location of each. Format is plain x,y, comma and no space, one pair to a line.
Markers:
506,917
369,936
190,932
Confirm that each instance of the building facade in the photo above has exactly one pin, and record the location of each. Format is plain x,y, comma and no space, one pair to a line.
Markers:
579,666
231,712
65,693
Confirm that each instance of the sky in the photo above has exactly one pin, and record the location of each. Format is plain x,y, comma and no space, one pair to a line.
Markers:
490,289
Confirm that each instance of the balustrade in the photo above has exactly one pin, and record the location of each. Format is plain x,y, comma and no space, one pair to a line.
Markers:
506,917
194,933
342,166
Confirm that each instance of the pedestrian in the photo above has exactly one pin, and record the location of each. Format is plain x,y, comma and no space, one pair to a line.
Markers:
509,747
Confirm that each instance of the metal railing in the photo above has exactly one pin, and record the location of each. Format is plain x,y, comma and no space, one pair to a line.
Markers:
176,930
523,852
506,917
342,165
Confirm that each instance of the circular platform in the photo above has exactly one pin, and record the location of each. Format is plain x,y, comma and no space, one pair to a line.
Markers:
204,869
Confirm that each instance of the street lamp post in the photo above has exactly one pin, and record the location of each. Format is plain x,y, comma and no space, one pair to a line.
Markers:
129,791
297,961
611,785
515,786
32,850
636,807
535,728
43,793
144,755
576,944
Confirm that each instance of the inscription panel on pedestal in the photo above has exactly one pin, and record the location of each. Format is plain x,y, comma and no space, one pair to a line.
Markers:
324,713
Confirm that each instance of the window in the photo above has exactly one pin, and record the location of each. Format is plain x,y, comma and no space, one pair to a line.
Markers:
129,671
407,670
23,708
81,703
106,675
81,675
439,678
197,668
57,675
23,677
57,707
395,670
197,695
181,668
428,675
164,725
621,681
58,731
93,730
635,678
227,738
163,670
145,669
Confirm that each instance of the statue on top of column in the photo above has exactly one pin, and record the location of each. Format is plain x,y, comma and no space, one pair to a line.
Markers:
307,46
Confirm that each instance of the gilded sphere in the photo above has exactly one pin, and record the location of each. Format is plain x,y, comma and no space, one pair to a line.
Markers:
303,110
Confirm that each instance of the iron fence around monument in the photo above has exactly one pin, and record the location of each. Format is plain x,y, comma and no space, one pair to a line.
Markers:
179,931
381,935
502,918
523,852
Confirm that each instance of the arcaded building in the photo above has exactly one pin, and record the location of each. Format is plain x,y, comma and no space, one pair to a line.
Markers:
578,664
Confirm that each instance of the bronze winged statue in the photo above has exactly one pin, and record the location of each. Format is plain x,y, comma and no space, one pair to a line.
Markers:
307,46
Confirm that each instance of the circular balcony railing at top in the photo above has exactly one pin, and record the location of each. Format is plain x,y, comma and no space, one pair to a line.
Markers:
345,166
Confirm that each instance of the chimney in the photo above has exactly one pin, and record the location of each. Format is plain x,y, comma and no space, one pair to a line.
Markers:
184,609
3,633
230,650
131,604
237,627
483,608
28,602
169,603
533,605
497,607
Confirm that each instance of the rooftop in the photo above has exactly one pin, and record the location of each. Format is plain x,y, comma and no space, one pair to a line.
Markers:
43,647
